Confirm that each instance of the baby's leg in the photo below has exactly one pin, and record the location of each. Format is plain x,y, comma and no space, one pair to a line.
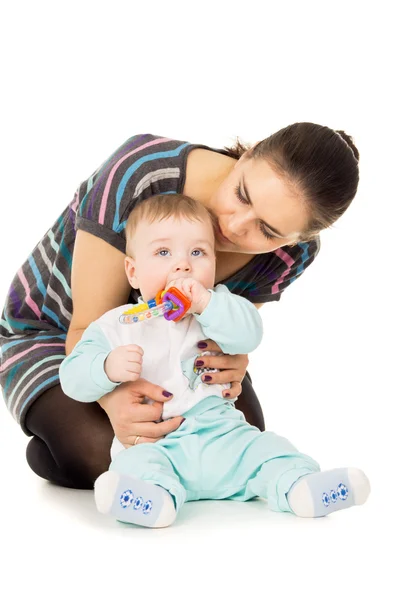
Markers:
319,494
292,481
140,487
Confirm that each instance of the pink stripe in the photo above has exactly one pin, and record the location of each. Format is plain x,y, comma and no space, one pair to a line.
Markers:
289,261
104,200
14,358
74,206
29,301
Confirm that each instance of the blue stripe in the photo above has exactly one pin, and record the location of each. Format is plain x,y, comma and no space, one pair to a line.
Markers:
40,387
4,323
10,377
23,326
304,257
63,247
56,271
53,316
43,291
126,147
39,337
36,273
137,164
14,398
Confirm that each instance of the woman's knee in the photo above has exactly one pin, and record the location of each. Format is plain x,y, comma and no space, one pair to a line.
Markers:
72,440
67,469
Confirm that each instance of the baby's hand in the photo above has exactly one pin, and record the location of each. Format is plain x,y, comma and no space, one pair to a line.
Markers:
194,291
124,363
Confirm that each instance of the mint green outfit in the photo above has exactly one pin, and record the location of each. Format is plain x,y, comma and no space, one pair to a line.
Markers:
215,454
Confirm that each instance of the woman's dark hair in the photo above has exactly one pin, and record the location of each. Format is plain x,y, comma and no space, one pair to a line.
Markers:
315,159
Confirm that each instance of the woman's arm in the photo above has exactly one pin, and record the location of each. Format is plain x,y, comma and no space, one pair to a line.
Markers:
98,282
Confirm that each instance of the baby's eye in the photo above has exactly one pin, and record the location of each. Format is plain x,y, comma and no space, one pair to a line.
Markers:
159,252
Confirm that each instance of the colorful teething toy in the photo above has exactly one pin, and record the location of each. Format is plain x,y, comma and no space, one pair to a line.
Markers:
172,304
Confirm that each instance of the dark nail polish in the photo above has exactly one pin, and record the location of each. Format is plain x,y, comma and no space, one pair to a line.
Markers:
199,363
202,345
167,394
207,378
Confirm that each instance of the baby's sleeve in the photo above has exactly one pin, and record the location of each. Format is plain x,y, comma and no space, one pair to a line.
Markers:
231,321
82,374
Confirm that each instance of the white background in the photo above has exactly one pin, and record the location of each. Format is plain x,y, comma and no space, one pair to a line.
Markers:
78,80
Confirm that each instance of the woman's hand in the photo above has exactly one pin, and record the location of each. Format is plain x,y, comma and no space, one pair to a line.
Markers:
232,368
130,418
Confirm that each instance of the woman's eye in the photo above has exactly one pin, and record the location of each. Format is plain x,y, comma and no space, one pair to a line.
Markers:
239,195
266,234
243,200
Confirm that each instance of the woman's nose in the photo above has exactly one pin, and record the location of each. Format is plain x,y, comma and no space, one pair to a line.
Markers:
239,224
237,228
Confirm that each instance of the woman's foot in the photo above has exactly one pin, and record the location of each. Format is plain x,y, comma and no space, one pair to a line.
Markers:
134,500
318,494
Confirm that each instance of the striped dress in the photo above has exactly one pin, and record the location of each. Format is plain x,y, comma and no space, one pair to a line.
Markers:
38,308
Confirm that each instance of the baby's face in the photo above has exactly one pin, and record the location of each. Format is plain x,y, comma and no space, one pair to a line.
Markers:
169,249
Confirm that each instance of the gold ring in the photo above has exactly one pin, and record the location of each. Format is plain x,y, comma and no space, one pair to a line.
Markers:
136,439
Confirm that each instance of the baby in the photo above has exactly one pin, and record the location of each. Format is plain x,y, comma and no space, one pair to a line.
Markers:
215,453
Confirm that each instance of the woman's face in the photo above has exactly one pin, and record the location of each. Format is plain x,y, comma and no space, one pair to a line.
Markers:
256,210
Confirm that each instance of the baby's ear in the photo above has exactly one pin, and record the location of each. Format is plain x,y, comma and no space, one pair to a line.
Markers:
129,266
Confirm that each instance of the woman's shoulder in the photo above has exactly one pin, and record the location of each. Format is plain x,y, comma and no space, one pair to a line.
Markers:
265,276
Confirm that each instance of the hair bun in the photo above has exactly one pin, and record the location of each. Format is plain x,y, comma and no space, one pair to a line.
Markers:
348,139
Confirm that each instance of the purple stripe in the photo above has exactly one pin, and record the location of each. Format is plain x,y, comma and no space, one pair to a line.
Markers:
16,303
72,218
105,173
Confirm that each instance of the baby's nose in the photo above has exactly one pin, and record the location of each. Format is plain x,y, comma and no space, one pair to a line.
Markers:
183,268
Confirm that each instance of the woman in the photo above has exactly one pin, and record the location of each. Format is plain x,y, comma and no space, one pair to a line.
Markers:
270,202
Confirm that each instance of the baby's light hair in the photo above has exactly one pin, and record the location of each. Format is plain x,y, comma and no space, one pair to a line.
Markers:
164,206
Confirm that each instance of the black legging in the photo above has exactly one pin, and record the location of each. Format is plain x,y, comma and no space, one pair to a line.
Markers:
71,440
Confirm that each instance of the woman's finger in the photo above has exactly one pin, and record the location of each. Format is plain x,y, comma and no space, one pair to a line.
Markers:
226,361
141,440
234,391
210,345
142,413
155,430
142,388
226,376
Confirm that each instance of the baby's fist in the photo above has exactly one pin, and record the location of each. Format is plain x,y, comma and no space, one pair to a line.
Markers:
196,293
124,363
